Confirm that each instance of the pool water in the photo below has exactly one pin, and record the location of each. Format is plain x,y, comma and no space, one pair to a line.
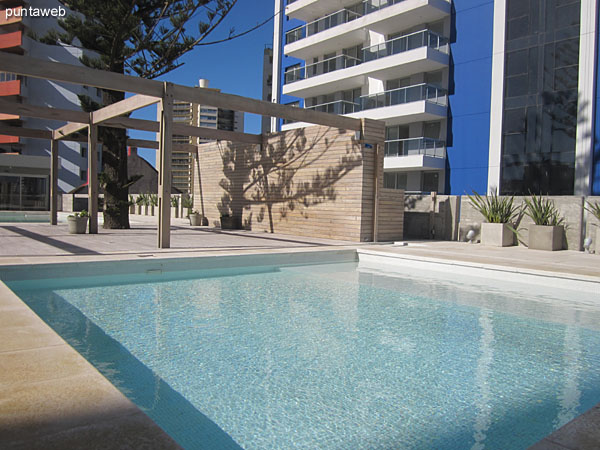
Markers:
332,356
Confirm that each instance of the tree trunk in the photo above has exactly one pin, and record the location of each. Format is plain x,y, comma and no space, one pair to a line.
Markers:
114,177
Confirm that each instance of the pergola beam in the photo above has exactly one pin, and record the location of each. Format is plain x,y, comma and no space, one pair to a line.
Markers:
93,178
32,67
68,129
122,107
211,133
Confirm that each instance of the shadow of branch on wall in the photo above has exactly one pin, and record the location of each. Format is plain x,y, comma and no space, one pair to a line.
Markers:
286,175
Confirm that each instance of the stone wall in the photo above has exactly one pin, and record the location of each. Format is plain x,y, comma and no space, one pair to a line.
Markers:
570,207
431,218
316,181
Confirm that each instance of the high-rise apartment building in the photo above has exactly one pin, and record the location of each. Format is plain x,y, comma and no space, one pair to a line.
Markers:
198,115
476,94
16,21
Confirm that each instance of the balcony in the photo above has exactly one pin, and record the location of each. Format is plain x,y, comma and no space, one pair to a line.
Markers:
422,51
415,153
347,27
307,10
403,95
418,103
339,107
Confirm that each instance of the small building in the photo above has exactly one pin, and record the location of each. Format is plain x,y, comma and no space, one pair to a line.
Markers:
24,182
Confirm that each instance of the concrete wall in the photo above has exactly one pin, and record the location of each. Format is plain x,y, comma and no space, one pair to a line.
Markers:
570,207
592,225
315,181
429,218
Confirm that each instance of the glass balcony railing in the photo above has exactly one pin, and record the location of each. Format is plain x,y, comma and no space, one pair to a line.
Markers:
403,95
337,18
322,24
327,65
415,146
339,107
424,38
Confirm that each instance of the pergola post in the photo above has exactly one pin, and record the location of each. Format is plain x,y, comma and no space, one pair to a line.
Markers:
53,182
93,178
165,143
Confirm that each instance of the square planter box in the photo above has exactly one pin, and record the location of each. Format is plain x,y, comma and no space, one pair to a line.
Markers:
543,237
497,235
597,243
231,223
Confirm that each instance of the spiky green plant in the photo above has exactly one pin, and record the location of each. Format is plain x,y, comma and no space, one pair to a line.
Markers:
495,209
174,202
593,208
143,200
543,211
153,198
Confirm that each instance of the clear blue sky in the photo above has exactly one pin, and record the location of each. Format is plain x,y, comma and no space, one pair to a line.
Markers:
233,66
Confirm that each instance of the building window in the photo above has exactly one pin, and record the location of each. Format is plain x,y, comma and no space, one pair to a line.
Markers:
395,180
83,174
540,97
430,182
83,151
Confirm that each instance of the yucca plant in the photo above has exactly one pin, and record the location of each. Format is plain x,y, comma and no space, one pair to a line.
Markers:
543,211
143,200
153,199
174,202
495,209
594,209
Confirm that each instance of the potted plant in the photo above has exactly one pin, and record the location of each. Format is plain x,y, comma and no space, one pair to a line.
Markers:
131,204
229,222
78,222
547,230
195,219
594,209
153,200
500,214
175,204
187,203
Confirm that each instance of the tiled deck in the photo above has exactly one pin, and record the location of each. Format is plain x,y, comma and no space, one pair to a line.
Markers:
50,397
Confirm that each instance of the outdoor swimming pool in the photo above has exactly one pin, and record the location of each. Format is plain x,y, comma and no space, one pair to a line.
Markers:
341,355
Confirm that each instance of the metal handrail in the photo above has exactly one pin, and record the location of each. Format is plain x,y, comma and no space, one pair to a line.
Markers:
365,7
322,24
337,107
403,95
325,66
415,146
423,38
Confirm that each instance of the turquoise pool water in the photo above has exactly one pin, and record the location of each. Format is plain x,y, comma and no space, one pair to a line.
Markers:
331,356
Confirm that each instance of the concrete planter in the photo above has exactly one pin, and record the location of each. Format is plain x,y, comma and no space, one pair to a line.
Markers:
231,223
497,235
542,237
195,220
77,225
597,243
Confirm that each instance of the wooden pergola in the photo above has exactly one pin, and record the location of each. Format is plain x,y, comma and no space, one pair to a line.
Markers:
146,92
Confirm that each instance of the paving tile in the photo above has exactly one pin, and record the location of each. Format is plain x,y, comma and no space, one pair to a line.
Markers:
35,409
40,364
135,431
545,444
17,316
27,337
582,433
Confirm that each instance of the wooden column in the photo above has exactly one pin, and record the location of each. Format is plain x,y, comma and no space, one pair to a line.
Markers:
93,178
165,143
53,182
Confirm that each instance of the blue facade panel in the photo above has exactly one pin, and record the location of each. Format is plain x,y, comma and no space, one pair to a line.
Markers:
470,85
596,156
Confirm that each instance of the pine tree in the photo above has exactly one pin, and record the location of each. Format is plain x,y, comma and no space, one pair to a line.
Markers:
138,37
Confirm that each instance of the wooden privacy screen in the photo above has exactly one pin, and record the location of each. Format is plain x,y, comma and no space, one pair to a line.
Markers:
316,181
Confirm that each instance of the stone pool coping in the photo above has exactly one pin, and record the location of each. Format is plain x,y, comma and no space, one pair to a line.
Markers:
62,400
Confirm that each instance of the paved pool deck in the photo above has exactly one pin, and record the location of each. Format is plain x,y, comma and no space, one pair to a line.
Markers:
50,397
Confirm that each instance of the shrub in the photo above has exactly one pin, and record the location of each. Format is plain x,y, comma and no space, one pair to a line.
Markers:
495,209
543,211
594,209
